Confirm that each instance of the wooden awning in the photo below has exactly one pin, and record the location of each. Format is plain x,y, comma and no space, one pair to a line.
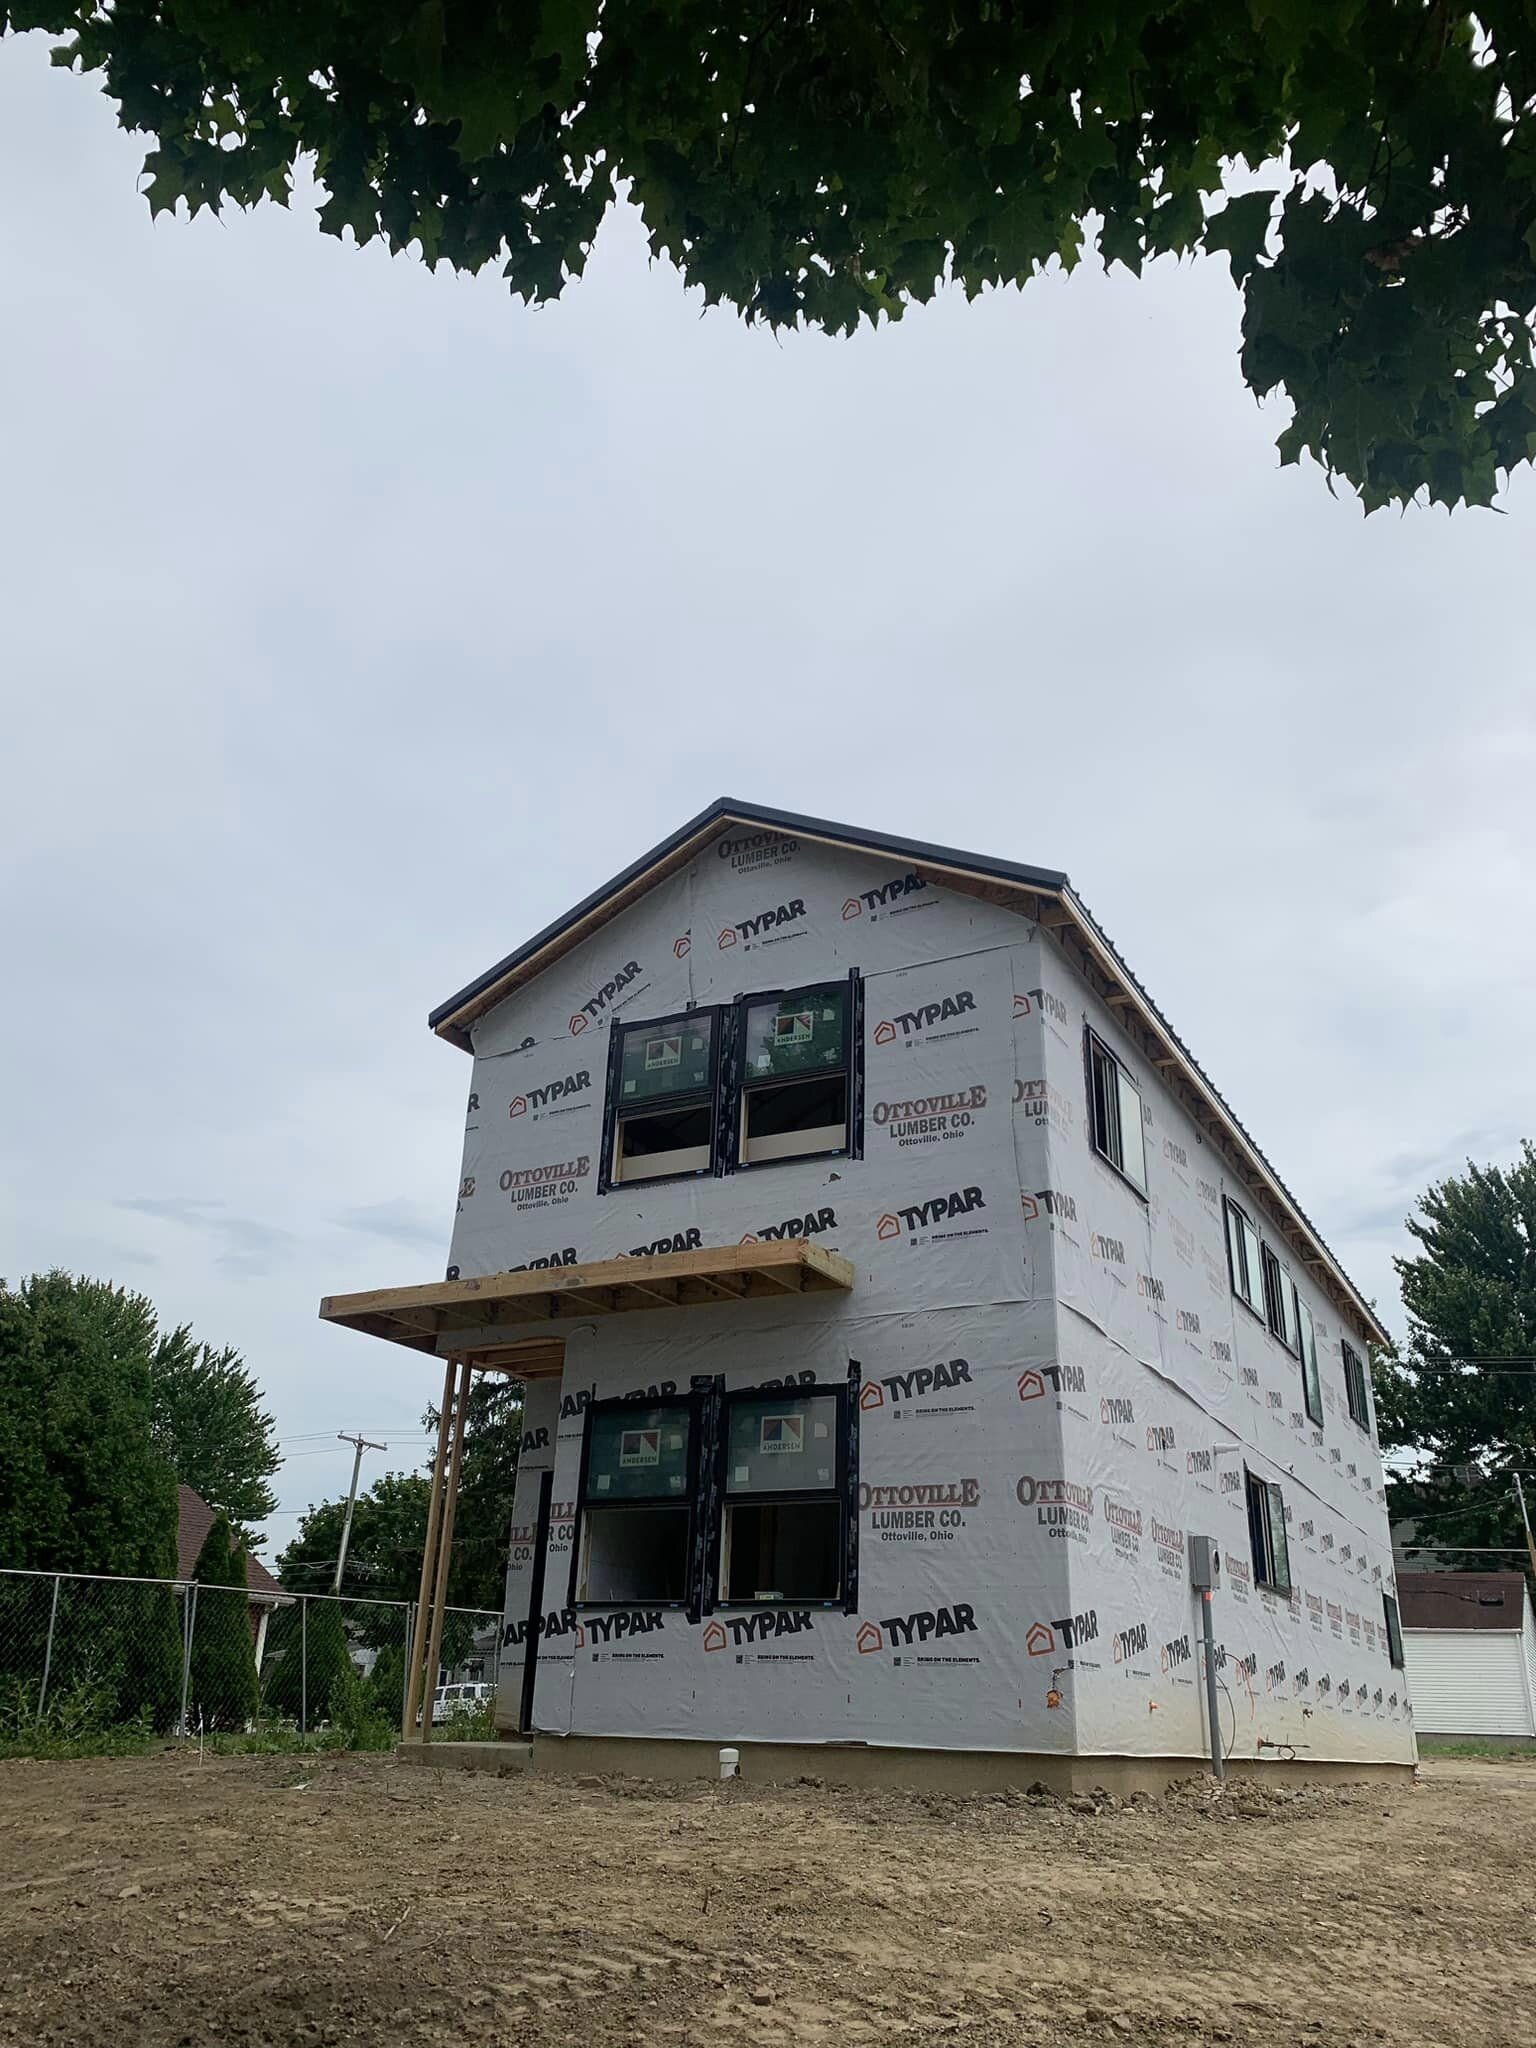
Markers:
423,1317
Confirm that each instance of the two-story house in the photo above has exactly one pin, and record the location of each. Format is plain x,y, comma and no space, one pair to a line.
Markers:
895,1298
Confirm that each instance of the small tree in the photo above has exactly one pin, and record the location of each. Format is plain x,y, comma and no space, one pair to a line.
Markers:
223,1687
312,1675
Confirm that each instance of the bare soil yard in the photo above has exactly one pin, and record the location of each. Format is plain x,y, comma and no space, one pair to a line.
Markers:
278,1901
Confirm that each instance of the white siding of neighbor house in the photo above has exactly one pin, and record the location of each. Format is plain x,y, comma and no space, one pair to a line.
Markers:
1472,1681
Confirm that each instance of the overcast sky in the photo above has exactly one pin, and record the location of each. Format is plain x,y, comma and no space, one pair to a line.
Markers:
355,621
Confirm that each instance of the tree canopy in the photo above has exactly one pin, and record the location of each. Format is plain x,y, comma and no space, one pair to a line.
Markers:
828,166
1462,1395
83,1485
208,1420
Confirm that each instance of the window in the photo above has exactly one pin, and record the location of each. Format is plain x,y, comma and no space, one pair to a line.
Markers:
662,1093
1244,1258
796,1074
1354,1387
638,1484
783,1535
1266,1534
1280,1305
1114,1108
1394,1629
1310,1379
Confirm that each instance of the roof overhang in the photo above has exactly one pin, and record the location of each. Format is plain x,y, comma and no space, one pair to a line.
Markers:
1046,897
447,1315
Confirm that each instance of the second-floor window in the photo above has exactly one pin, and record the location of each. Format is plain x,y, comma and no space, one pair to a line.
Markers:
1310,1378
1355,1388
1244,1257
664,1088
796,1067
1114,1106
1281,1309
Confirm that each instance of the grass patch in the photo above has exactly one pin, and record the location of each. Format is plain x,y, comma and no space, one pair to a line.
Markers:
1490,1745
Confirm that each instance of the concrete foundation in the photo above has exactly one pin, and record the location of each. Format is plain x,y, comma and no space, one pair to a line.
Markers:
929,1770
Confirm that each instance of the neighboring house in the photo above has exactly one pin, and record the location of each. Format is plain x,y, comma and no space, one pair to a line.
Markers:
1471,1644
895,1296
194,1518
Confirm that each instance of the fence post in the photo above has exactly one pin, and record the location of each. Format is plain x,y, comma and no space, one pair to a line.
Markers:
303,1663
410,1638
189,1618
53,1615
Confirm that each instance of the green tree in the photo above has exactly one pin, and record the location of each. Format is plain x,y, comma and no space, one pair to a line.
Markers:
1460,1398
310,1673
830,165
223,1686
208,1420
83,1486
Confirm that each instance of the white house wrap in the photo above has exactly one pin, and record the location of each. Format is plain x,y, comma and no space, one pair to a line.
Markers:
1055,1382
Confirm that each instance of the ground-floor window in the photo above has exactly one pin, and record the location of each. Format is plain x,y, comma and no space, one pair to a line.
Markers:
783,1525
638,1482
718,1499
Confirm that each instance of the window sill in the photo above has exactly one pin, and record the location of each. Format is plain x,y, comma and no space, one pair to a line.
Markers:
1262,1321
831,1606
1120,1175
795,1159
605,1606
656,1180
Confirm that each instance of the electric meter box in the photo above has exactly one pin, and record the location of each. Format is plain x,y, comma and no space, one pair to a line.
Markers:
1204,1563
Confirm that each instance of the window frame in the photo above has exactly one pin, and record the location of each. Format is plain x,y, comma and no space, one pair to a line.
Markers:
689,1499
1271,1559
1096,1048
1311,1377
1277,1282
739,1085
1350,1356
1392,1623
713,1096
840,1491
1229,1210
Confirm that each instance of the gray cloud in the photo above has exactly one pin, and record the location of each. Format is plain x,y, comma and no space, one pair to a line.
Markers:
248,1247
400,1222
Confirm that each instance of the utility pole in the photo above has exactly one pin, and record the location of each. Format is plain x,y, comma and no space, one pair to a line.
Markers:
1530,1542
360,1444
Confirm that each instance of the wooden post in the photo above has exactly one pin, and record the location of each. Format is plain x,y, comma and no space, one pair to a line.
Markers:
428,1558
445,1547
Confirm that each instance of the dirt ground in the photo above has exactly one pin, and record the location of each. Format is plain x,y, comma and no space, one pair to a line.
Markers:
269,1901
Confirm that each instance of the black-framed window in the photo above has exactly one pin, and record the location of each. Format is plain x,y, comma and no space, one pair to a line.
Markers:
638,1503
1115,1114
1280,1303
1311,1379
1266,1533
784,1498
1355,1388
795,1058
1394,1629
1244,1258
663,1098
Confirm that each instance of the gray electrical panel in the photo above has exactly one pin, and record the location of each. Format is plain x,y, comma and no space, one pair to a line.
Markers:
1204,1563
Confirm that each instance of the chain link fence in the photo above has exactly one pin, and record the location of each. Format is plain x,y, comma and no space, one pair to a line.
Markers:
85,1656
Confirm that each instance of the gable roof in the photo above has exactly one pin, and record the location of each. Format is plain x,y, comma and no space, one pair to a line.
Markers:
1044,895
194,1518
1480,1600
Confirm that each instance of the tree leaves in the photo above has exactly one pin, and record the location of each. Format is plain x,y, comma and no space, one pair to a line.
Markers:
830,166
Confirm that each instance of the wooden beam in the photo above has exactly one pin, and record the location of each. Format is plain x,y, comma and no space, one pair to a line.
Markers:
445,1545
413,1698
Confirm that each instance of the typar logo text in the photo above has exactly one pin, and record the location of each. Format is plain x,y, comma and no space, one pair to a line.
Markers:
744,1632
914,1391
951,1016
603,1000
930,1221
763,928
554,1100
890,898
915,1633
